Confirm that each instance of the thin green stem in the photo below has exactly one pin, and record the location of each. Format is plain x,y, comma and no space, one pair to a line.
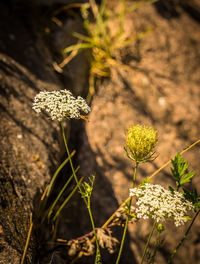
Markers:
93,226
156,245
134,176
60,193
79,187
70,161
148,241
127,219
184,237
122,242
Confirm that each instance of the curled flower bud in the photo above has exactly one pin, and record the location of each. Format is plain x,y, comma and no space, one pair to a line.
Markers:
140,143
60,104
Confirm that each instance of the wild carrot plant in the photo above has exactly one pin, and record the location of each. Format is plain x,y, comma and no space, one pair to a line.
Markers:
151,200
140,144
60,105
154,201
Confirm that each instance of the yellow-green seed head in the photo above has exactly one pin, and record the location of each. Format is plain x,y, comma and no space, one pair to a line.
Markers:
140,143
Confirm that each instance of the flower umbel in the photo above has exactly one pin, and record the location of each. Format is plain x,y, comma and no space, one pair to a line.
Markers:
157,202
60,104
140,143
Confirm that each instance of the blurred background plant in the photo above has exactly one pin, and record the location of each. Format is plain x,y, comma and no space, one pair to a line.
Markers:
103,41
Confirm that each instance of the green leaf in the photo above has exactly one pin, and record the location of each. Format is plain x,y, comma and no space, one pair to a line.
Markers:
171,189
179,166
133,215
87,187
179,169
187,177
146,180
191,195
197,205
82,37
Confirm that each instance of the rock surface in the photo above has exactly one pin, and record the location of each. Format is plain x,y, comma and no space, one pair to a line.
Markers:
28,146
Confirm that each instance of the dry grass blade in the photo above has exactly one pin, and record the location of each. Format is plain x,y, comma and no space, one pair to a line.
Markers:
66,7
27,240
94,8
68,58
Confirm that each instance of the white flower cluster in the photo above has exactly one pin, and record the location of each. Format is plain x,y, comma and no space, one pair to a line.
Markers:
156,202
60,104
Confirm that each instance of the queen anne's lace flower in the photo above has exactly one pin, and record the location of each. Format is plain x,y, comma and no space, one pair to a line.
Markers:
156,202
140,143
60,104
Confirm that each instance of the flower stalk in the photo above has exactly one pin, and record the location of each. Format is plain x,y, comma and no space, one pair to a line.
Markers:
128,217
70,160
183,239
140,144
148,241
86,195
158,243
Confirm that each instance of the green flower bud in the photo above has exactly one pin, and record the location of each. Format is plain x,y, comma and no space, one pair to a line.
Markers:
160,228
140,143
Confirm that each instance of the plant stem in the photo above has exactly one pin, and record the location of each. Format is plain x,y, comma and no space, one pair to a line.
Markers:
169,161
80,190
127,219
156,245
70,161
184,237
93,227
148,241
